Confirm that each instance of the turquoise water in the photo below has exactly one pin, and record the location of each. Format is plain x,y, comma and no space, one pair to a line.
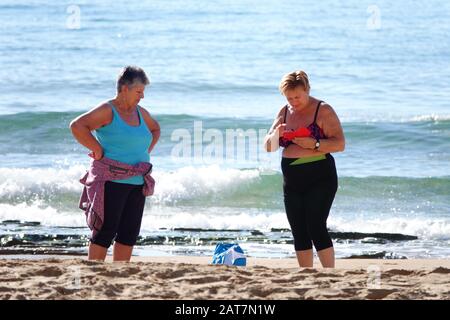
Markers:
215,67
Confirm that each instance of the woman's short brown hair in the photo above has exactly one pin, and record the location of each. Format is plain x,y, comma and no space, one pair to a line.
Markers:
293,80
131,75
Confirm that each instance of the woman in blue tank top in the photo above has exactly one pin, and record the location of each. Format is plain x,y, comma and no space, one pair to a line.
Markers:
125,132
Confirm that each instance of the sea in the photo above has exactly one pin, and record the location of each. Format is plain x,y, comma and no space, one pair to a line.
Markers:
214,68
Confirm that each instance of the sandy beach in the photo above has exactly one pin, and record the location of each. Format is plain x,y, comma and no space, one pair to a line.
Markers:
184,277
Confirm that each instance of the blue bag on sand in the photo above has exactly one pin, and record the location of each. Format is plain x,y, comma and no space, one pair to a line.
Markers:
229,254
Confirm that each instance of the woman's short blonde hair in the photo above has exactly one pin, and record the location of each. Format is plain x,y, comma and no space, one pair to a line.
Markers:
293,80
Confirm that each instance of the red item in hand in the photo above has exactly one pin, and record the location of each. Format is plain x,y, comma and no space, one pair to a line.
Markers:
299,133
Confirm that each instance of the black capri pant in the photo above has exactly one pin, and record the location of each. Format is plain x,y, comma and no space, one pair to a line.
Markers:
309,191
124,207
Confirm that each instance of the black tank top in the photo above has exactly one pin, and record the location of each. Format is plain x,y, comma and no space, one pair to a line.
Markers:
316,131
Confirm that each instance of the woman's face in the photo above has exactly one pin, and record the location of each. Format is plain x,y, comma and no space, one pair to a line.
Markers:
134,94
298,97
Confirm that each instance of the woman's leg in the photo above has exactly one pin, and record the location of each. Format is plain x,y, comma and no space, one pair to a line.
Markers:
305,258
115,198
297,221
96,252
130,225
318,203
122,252
326,257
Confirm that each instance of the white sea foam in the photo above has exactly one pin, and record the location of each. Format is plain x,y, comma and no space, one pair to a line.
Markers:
430,117
171,186
422,227
191,182
46,215
18,181
157,217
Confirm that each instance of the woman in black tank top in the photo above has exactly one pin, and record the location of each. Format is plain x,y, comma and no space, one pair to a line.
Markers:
309,131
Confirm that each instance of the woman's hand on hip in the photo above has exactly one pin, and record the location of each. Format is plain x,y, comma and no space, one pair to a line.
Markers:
96,154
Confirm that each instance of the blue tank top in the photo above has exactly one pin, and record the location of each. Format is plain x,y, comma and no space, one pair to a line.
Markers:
125,143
